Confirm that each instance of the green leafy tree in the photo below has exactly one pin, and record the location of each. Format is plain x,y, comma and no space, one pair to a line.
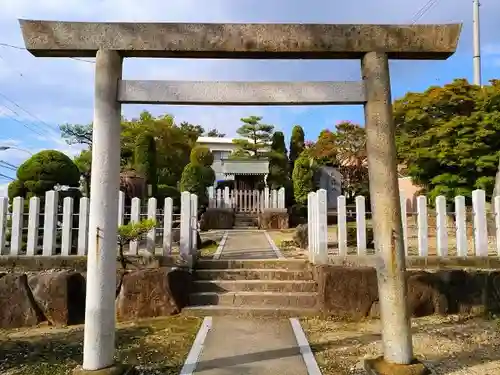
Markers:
350,140
296,144
165,191
202,155
84,165
191,131
44,170
303,178
194,180
215,133
255,137
278,162
145,159
77,134
324,149
448,137
132,232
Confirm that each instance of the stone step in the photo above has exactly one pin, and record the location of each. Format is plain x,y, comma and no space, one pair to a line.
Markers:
287,264
252,274
278,299
254,286
267,311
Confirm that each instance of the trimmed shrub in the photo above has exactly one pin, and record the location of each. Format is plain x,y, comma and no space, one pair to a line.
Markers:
303,179
193,179
201,155
16,189
45,169
165,191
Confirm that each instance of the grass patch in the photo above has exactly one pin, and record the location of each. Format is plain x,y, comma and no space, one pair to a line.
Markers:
155,346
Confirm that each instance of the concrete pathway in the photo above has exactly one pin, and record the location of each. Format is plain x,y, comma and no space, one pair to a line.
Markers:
239,346
248,245
249,346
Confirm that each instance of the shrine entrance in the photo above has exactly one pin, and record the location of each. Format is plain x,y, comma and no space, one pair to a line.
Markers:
110,43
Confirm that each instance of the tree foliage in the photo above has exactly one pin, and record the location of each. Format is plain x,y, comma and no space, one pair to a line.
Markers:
215,133
44,170
255,137
84,164
202,155
132,232
77,134
345,150
303,178
278,162
145,159
296,144
173,143
448,137
194,180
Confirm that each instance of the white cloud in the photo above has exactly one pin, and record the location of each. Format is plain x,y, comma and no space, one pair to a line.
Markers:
61,90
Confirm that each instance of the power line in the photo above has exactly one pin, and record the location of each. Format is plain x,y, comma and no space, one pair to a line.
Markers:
8,177
8,165
423,10
26,111
18,121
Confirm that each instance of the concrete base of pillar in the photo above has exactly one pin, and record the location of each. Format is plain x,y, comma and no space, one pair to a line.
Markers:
113,370
378,366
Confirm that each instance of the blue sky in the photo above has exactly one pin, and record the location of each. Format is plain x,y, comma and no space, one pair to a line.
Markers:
38,94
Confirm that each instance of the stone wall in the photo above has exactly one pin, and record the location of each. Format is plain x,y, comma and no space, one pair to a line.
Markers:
217,218
57,295
273,218
352,293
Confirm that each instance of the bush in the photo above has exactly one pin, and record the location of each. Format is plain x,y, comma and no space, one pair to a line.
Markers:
165,191
201,155
300,237
44,170
208,176
16,189
298,214
303,179
193,179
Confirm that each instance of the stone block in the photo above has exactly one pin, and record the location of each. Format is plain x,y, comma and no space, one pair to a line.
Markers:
153,292
273,218
351,292
18,309
346,292
60,295
217,218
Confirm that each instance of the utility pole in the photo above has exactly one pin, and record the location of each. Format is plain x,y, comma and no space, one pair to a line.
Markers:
476,59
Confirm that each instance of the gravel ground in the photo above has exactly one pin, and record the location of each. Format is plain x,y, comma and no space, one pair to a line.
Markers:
450,345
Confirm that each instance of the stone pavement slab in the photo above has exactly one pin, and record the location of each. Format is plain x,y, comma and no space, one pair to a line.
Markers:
247,245
250,346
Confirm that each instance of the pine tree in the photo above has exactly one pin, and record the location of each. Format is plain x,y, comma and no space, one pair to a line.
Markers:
255,137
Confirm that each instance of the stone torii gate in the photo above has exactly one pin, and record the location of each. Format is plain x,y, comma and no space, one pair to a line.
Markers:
374,45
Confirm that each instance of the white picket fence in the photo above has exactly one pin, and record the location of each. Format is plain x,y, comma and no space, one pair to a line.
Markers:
58,235
448,236
246,200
